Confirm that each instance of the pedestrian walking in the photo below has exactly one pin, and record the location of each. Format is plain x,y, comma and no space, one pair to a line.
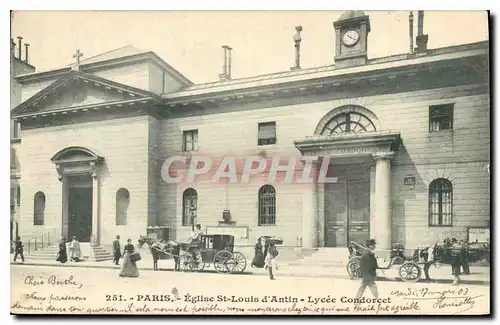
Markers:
271,263
129,267
259,258
456,260
74,248
117,252
62,255
368,267
18,249
465,257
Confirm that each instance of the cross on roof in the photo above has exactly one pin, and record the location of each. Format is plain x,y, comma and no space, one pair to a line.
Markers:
77,56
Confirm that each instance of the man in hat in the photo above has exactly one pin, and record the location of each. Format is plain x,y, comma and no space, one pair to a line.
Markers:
117,253
368,267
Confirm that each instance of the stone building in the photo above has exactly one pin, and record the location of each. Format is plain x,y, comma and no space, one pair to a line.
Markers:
407,136
18,66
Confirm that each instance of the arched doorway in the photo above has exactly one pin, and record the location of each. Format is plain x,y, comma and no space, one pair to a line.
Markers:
78,171
350,144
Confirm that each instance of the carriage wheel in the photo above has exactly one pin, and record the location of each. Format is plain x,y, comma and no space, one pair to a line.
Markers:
410,272
353,268
221,261
197,264
185,262
237,263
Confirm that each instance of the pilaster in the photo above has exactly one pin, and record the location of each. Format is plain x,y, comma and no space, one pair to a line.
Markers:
382,223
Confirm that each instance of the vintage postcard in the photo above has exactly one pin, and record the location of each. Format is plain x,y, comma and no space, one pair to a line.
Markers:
249,163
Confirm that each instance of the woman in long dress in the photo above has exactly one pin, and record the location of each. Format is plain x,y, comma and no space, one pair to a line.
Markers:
74,248
62,255
259,258
128,267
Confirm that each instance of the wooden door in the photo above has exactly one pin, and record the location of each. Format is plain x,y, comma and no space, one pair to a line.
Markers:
336,214
358,193
80,213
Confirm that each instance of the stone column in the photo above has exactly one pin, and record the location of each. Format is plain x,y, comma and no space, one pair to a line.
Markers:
95,206
383,224
64,205
310,211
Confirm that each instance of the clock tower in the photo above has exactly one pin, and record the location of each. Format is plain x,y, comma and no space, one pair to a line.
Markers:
351,39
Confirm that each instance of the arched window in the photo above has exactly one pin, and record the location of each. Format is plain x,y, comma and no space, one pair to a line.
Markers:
348,122
39,209
267,205
122,203
189,204
440,203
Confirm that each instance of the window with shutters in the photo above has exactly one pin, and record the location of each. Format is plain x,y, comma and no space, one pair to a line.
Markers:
440,203
190,140
267,206
267,133
39,209
440,117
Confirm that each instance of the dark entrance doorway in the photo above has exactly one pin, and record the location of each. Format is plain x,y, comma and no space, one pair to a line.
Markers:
347,211
80,208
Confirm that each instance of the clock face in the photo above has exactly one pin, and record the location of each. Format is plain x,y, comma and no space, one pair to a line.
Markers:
350,38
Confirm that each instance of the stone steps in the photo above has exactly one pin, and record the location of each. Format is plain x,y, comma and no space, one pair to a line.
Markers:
89,252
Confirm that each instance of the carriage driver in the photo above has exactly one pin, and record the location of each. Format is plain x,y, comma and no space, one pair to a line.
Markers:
195,240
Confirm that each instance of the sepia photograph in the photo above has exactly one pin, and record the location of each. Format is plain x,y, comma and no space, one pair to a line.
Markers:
250,163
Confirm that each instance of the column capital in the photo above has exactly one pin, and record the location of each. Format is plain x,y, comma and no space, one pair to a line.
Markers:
315,162
383,155
93,169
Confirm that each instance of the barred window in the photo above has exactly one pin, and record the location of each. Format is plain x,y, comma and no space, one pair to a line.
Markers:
122,203
190,140
440,117
440,203
350,122
189,205
267,205
39,209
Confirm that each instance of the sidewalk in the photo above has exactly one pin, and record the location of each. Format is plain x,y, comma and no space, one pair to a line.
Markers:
479,275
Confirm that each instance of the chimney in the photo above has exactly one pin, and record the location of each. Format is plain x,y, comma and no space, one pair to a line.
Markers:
12,47
26,52
421,38
20,46
411,32
226,68
228,72
297,40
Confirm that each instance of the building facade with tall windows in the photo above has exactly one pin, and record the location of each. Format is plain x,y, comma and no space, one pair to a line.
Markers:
18,66
407,137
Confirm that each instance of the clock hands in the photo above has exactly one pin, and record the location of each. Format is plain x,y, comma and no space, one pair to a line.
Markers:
350,37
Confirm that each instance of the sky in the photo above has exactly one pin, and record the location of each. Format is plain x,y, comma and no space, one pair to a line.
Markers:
262,41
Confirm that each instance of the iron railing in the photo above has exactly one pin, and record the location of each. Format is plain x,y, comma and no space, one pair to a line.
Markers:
40,242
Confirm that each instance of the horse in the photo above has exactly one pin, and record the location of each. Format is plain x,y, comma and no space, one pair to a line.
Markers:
171,248
145,240
447,253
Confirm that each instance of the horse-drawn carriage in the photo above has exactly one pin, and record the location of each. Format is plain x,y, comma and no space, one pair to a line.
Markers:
212,249
410,268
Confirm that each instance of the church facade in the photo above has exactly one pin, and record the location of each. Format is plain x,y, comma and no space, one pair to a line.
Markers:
406,136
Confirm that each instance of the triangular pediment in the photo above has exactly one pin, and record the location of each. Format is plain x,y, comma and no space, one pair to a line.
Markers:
77,89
